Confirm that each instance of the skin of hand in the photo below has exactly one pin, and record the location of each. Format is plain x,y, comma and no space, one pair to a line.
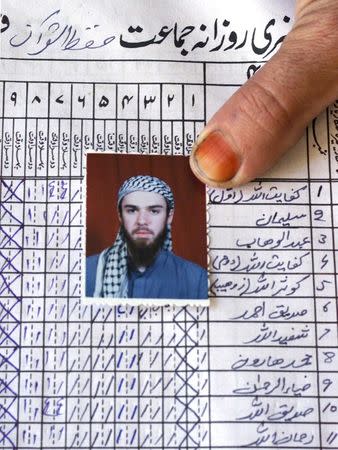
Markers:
269,113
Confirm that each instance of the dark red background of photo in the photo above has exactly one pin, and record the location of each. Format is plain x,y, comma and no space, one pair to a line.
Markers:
106,173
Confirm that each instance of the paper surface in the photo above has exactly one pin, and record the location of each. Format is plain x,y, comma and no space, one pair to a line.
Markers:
259,368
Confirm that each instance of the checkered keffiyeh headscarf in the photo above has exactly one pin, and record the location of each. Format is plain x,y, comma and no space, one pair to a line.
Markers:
115,282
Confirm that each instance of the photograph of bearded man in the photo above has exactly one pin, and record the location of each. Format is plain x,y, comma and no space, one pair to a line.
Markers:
140,263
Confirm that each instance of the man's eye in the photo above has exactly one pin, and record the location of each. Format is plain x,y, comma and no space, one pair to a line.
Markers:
155,211
131,210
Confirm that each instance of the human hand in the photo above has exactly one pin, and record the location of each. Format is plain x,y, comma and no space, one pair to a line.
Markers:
269,113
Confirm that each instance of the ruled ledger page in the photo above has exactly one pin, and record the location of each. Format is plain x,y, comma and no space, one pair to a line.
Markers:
259,367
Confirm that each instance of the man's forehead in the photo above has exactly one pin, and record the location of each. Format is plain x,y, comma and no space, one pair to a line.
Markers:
143,199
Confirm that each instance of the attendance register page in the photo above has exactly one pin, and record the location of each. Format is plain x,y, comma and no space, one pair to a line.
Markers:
259,366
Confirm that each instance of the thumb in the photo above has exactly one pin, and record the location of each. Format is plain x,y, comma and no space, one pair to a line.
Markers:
268,114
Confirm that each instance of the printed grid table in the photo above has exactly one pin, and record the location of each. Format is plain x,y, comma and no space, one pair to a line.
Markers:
263,358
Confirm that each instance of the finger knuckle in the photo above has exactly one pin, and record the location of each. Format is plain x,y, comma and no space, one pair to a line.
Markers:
263,107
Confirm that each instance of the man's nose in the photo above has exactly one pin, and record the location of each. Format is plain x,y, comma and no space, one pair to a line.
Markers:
142,217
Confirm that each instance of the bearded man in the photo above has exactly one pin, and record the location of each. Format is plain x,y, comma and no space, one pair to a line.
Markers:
140,263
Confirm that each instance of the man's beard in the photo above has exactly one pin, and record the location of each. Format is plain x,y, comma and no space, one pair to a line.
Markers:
141,253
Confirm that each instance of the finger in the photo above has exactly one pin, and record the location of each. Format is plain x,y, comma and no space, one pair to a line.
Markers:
268,114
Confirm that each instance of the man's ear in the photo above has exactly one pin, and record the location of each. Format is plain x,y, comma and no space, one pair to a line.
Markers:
119,215
170,217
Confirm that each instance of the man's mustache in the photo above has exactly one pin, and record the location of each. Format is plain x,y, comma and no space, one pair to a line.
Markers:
137,230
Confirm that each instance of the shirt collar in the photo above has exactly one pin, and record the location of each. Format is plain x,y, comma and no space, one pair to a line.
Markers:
132,270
